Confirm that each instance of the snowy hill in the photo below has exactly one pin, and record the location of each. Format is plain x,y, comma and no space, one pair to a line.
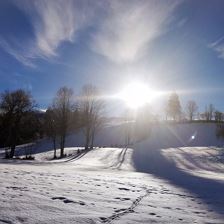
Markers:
176,182
160,136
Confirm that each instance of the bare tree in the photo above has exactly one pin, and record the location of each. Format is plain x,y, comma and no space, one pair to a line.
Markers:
51,127
218,116
128,127
209,112
92,108
173,108
205,115
191,109
15,106
63,106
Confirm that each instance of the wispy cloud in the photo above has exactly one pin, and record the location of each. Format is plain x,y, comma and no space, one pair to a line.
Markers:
123,29
18,53
182,22
129,26
54,22
218,46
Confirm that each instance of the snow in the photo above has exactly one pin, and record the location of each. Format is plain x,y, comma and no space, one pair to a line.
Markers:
166,178
200,161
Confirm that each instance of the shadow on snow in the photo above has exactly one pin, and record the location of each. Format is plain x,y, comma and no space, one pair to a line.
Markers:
152,161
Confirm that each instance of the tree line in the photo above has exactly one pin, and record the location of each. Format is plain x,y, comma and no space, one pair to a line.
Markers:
175,112
21,121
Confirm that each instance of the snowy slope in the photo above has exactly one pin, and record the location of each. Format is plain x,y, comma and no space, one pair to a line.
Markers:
160,136
95,188
198,170
207,162
174,183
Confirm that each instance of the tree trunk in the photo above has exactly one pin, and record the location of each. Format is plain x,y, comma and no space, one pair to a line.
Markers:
92,139
54,143
12,142
12,152
62,146
7,153
87,140
87,143
62,152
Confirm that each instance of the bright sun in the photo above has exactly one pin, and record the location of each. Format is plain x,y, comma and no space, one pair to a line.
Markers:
136,95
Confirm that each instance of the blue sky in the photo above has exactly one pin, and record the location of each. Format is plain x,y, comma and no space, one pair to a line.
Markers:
169,45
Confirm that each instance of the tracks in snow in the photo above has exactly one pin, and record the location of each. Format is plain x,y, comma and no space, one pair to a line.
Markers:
121,212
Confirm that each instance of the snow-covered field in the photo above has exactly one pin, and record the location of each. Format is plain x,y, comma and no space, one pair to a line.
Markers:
150,183
199,161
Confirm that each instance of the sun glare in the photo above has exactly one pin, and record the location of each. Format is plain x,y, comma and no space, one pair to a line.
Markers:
136,95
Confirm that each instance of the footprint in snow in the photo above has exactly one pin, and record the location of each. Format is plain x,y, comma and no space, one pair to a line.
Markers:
152,206
123,189
199,212
59,198
67,201
120,210
5,221
103,218
167,207
123,199
18,188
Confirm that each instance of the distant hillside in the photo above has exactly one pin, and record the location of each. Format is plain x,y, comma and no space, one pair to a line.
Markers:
160,136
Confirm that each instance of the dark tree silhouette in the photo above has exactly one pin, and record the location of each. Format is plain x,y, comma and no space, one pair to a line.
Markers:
218,116
63,106
191,109
209,112
91,107
51,127
15,106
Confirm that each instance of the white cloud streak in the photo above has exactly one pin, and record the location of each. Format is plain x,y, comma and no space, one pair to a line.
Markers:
123,29
54,22
17,53
218,46
130,26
